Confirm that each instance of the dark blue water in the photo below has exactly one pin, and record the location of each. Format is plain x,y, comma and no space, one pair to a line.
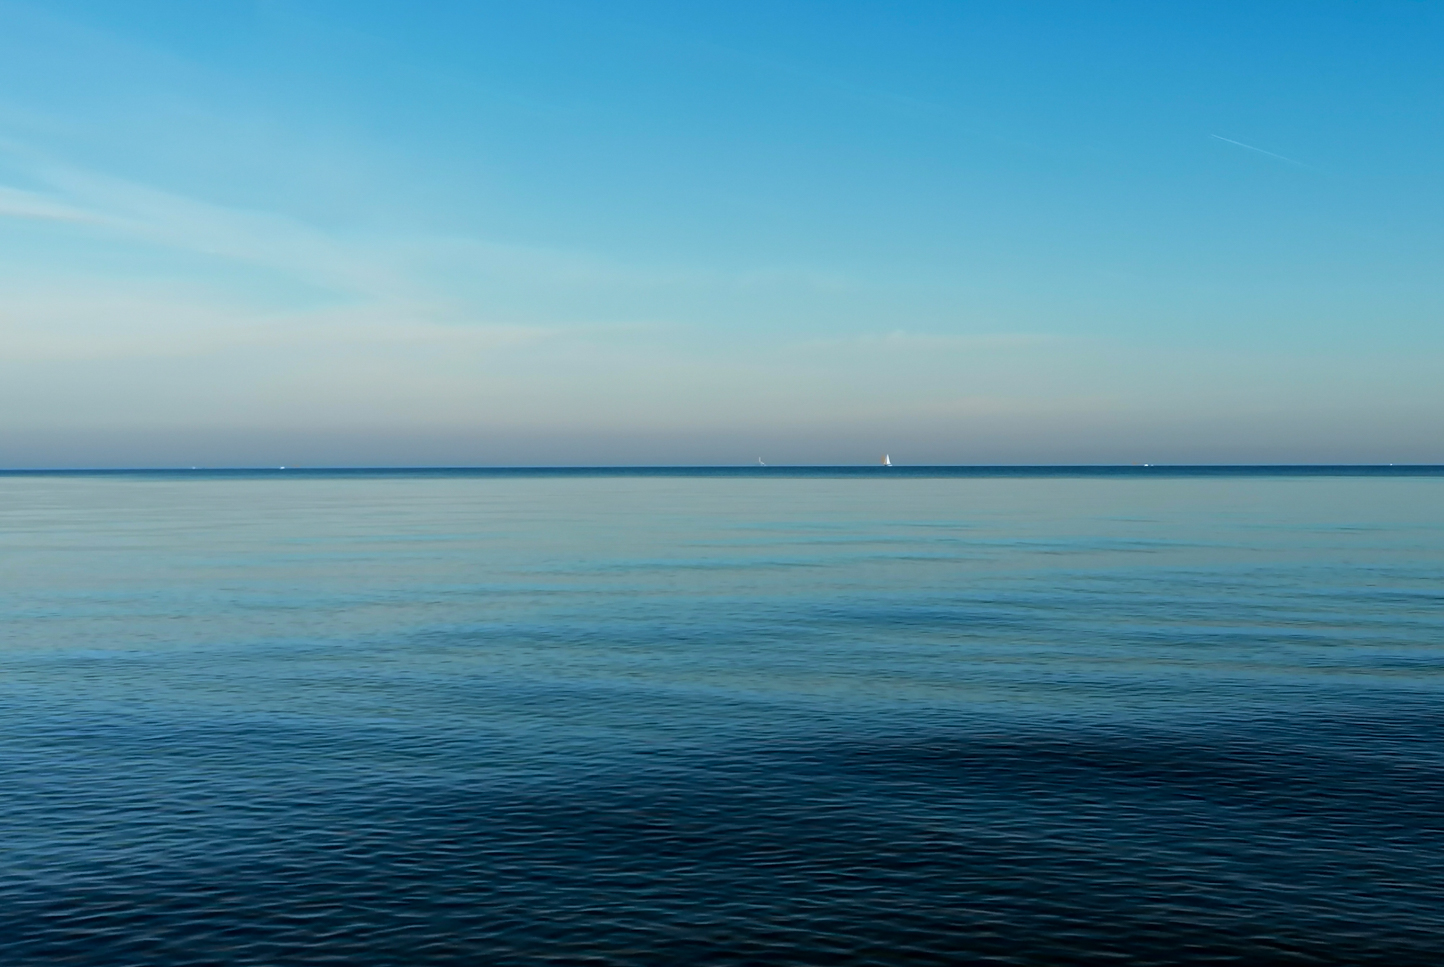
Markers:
1040,717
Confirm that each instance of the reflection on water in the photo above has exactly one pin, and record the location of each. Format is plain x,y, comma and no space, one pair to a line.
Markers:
718,719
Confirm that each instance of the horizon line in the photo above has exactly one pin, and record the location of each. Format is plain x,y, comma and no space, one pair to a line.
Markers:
735,469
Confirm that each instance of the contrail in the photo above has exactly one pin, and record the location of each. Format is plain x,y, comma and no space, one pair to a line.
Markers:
1259,150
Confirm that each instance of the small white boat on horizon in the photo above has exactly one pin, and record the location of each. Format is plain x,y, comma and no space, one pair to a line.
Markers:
886,460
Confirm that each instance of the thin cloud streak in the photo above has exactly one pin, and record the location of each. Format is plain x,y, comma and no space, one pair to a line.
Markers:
1259,150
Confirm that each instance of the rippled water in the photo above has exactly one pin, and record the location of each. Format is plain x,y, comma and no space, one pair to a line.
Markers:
777,719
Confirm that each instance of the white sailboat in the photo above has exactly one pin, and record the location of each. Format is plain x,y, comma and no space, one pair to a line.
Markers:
886,460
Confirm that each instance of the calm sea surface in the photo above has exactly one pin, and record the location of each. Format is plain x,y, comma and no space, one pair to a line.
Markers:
773,718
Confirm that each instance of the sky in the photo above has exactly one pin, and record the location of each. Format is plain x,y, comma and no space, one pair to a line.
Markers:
360,233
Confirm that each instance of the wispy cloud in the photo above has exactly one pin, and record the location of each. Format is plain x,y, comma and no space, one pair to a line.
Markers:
1259,150
366,266
136,213
18,203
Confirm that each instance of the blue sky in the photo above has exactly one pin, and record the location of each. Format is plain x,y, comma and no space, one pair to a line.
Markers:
572,232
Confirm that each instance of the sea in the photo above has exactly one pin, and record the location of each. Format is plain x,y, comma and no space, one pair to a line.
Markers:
773,716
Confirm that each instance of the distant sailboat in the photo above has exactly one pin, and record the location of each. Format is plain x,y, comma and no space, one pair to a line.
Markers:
760,463
886,460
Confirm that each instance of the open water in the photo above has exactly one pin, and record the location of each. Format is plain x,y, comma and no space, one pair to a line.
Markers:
1026,717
